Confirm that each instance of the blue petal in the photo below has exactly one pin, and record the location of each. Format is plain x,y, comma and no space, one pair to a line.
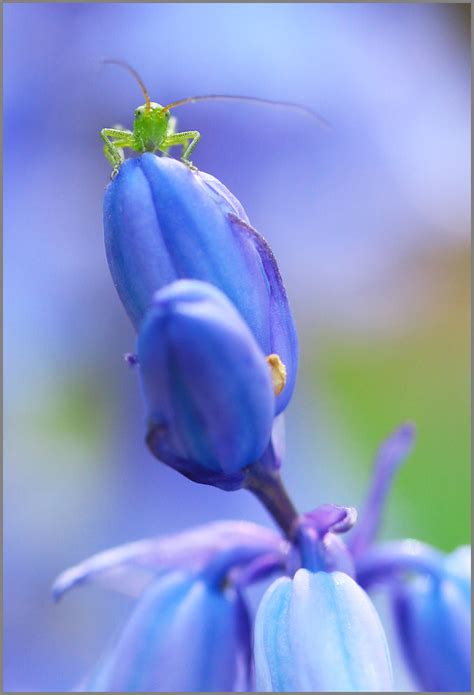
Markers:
394,558
282,339
184,635
457,566
320,632
272,649
132,567
223,197
392,453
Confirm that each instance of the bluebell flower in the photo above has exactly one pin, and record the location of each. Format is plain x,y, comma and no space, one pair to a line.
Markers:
319,632
312,635
164,221
190,630
433,618
431,594
316,628
207,385
431,591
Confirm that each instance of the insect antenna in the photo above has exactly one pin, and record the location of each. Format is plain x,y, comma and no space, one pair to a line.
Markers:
134,73
257,100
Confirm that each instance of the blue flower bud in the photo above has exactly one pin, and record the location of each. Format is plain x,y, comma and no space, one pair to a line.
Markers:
320,633
164,222
184,635
433,617
206,383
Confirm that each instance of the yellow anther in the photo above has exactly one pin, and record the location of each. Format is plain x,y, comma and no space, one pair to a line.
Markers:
278,371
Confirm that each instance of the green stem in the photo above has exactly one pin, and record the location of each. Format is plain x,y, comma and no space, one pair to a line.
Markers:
268,487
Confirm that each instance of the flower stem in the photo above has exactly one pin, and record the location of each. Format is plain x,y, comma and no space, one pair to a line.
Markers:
268,487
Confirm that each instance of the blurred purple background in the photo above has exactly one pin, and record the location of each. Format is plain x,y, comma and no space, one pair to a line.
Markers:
369,221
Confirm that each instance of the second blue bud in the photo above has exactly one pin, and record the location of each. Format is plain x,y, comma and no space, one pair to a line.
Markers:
207,385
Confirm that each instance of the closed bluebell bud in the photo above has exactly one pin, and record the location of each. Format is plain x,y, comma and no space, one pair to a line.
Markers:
164,221
185,634
433,616
206,383
319,632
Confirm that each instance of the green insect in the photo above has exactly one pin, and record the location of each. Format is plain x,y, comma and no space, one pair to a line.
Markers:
154,129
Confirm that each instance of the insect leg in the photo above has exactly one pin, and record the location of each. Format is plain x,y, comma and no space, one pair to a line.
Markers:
114,140
189,139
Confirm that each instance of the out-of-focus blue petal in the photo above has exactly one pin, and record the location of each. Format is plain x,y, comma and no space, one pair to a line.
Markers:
458,566
391,454
320,633
206,383
132,567
163,222
433,617
184,635
395,558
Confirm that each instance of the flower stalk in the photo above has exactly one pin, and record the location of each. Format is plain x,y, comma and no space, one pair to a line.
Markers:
268,487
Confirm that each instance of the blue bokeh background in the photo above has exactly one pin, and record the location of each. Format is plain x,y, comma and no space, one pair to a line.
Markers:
369,221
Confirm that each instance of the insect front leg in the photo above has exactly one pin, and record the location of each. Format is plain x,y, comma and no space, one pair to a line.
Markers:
171,131
114,142
189,139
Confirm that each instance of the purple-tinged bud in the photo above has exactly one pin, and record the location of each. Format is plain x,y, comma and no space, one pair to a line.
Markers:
164,221
185,634
433,617
319,632
207,385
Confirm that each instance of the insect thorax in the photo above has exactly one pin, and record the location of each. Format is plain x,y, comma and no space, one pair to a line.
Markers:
150,127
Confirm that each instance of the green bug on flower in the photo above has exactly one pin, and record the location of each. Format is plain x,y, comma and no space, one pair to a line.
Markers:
154,129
